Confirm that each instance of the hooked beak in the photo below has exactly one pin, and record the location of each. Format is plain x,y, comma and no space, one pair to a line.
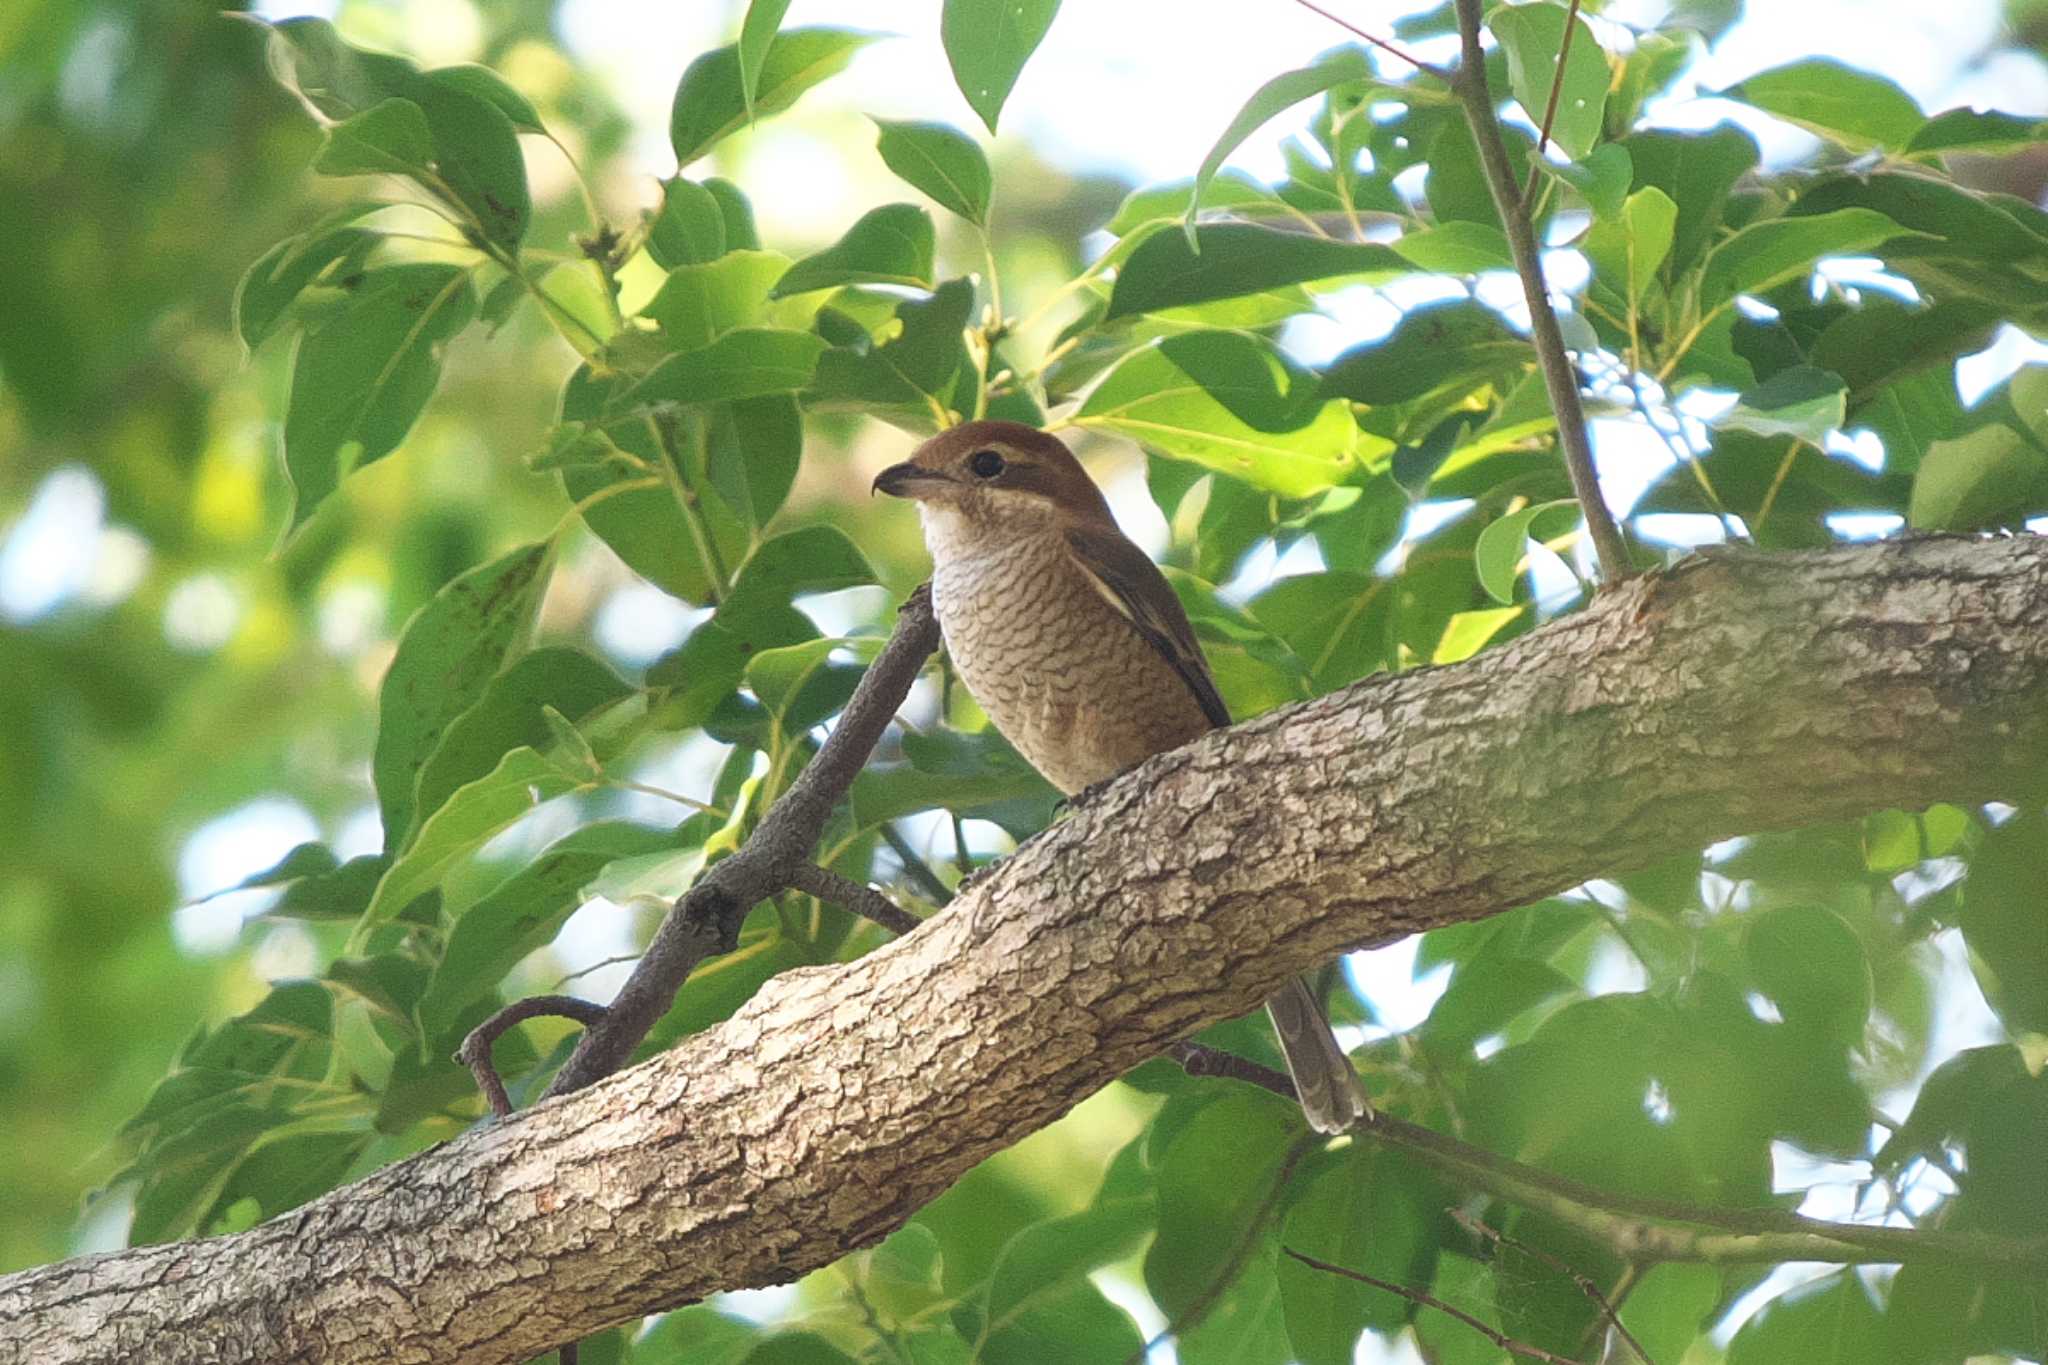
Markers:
907,480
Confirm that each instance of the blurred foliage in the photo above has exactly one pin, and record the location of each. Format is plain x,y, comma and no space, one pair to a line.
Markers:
565,561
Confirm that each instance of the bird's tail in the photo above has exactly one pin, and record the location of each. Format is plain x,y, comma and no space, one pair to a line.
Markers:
1330,1093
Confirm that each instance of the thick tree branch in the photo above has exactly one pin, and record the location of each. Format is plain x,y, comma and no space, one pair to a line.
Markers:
1740,692
1560,379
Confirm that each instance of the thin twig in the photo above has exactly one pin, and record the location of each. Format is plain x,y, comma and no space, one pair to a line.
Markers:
1429,68
1416,1296
475,1052
848,894
1559,378
1198,1310
1564,52
1485,1232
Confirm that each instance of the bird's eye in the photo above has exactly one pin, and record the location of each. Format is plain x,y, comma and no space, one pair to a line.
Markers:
986,464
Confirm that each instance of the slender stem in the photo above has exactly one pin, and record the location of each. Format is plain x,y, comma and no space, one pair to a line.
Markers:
1416,1296
1381,43
847,894
914,866
1586,1286
1777,482
475,1052
1559,378
1564,52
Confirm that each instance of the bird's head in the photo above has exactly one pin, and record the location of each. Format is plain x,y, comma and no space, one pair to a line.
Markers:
984,476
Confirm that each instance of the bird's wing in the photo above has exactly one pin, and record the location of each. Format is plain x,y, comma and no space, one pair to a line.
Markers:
1133,585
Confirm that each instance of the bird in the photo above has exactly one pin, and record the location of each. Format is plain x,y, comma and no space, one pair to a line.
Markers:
1072,641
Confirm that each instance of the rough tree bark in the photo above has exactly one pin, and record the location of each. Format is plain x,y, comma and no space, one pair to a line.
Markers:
1736,693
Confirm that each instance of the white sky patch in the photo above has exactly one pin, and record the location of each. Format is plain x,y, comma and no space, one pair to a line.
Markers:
639,623
48,554
224,851
202,612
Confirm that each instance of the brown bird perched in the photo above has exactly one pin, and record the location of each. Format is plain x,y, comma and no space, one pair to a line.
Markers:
1075,645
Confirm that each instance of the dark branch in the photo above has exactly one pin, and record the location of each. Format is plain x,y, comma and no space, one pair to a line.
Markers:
847,894
706,920
475,1052
1559,377
1564,52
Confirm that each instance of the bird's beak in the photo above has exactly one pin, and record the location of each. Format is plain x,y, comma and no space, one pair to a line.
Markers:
907,480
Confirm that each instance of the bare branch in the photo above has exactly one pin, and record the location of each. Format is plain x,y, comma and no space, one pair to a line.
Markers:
1560,379
475,1052
847,894
706,919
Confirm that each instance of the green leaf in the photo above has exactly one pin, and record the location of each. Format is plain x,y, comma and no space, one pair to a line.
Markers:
1809,961
1765,255
1188,396
310,859
917,375
476,155
1803,401
754,448
493,89
757,36
337,895
689,229
510,714
447,656
1628,251
747,362
1455,249
1602,179
1502,547
1831,1321
943,162
1236,259
987,42
1532,36
893,244
1990,133
1434,345
1994,475
1857,109
711,100
522,779
280,275
1670,1306
699,303
388,138
1336,622
520,914
807,560
1217,1174
1467,632
2003,924
697,1334
1696,171
360,380
1361,1212
1341,66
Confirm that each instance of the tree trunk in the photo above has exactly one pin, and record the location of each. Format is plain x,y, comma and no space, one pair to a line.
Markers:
1737,693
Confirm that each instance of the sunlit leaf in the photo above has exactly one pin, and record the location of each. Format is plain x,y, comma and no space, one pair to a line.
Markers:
943,162
1858,109
1236,259
988,42
360,380
711,102
893,244
1532,36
